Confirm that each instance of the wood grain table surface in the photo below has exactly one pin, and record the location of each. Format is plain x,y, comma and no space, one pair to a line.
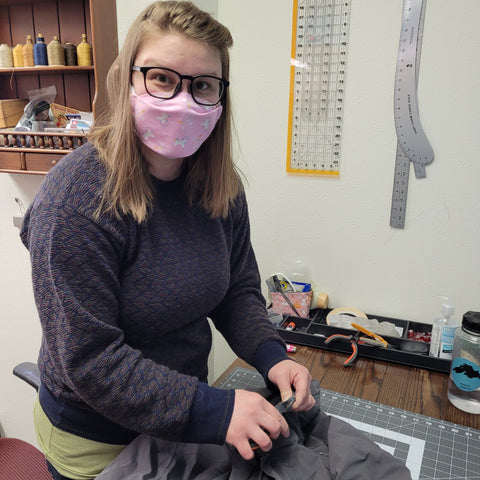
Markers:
408,388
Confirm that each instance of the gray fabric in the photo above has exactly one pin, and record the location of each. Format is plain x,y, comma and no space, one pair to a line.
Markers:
319,447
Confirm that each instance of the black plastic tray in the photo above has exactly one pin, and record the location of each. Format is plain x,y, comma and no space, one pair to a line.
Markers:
313,331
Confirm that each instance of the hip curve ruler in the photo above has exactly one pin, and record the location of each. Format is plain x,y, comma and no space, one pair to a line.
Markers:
412,143
431,449
317,86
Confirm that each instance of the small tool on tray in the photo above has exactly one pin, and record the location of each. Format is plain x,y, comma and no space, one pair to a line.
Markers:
371,339
353,339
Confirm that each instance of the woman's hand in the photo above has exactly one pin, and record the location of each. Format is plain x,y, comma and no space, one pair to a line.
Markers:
287,374
254,418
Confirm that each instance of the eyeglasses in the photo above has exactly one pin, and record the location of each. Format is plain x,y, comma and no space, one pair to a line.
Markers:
166,83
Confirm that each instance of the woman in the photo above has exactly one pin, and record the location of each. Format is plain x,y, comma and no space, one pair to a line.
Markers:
135,239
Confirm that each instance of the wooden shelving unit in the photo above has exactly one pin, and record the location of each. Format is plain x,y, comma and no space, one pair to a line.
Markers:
82,88
44,70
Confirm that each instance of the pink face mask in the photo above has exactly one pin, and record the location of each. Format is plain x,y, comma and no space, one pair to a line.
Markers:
174,128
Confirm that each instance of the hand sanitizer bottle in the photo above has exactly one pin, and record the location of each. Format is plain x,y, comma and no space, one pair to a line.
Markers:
443,332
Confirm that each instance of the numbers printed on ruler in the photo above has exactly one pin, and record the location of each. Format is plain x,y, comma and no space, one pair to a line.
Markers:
412,143
410,132
400,189
317,85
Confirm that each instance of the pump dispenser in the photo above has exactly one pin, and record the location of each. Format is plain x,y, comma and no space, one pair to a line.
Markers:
443,332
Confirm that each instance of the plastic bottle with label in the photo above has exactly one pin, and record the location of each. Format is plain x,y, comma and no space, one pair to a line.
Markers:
443,332
464,383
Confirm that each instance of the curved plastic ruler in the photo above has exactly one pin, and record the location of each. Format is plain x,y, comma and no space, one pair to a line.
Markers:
412,143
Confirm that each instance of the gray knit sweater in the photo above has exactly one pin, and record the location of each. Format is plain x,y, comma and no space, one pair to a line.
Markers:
124,307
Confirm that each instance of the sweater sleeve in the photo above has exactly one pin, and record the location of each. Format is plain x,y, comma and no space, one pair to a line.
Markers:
242,317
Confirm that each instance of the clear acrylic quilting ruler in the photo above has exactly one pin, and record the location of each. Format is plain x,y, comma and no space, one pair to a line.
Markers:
412,143
317,85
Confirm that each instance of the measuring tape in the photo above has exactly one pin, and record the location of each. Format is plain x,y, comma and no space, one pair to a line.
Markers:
412,143
317,85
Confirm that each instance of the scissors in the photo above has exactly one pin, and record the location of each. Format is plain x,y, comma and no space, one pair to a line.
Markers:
282,407
372,338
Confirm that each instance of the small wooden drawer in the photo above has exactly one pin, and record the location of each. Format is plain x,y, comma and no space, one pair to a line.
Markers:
10,160
42,162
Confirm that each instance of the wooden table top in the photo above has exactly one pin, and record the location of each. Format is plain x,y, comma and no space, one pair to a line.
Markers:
408,388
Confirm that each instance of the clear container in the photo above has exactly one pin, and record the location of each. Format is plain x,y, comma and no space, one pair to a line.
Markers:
443,332
464,382
275,318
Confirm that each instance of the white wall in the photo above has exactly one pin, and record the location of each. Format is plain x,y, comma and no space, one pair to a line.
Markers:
340,226
19,327
127,12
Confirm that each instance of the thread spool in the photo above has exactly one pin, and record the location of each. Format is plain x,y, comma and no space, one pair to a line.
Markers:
18,56
55,52
40,56
28,60
84,52
70,54
6,56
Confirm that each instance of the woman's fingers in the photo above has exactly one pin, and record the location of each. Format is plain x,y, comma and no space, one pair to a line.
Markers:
254,419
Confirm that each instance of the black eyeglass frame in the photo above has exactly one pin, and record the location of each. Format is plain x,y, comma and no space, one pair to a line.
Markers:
144,70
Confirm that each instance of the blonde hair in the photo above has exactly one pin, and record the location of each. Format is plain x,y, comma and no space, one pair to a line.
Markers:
211,178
